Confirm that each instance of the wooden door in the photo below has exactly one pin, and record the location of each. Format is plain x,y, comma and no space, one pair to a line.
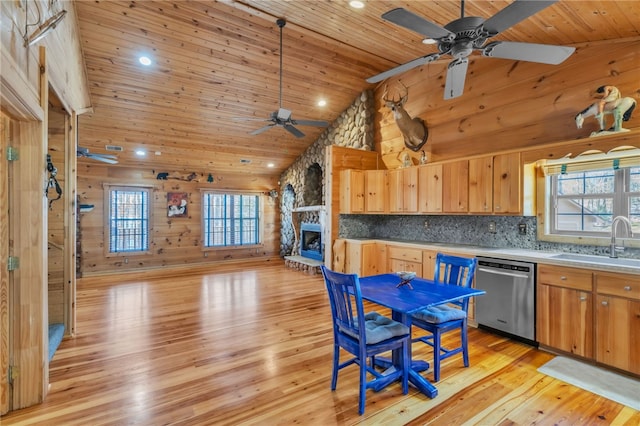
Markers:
507,183
565,319
455,184
375,191
617,335
481,185
430,188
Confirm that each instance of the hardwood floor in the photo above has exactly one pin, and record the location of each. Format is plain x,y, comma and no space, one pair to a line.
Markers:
252,344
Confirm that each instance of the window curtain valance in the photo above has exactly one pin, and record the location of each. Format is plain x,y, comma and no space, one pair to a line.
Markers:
618,158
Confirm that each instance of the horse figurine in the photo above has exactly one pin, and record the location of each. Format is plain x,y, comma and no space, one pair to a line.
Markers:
621,110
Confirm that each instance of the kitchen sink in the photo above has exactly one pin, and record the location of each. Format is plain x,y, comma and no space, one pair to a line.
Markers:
601,260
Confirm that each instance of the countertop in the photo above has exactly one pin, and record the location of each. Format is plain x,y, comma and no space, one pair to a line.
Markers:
603,263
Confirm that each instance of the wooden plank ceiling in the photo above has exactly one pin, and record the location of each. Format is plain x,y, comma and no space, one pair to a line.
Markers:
215,62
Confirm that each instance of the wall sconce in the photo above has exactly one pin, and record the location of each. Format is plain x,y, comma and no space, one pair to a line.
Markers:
44,29
273,193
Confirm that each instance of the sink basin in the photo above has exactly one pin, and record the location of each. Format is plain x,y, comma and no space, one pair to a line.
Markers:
602,260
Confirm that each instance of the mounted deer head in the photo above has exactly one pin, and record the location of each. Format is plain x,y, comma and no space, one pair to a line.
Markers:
414,130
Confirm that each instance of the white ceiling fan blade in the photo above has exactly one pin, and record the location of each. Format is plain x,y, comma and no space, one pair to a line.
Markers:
109,159
404,67
531,52
315,123
416,23
514,13
262,129
283,114
456,75
295,132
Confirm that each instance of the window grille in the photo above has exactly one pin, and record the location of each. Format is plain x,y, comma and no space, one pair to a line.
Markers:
231,219
129,214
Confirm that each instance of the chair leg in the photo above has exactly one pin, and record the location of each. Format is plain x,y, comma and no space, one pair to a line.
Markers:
363,384
465,348
436,355
336,361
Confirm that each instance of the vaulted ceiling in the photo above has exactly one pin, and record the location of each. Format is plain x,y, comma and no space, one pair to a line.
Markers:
216,64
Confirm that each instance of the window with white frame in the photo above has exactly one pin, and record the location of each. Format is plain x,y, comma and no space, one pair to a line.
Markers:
128,218
231,219
585,197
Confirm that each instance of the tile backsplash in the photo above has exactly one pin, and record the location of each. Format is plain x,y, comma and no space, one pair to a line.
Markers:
471,230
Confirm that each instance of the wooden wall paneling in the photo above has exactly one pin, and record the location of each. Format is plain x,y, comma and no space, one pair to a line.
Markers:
486,119
175,240
70,222
5,142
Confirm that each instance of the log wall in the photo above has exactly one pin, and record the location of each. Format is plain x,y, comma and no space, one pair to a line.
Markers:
534,105
176,241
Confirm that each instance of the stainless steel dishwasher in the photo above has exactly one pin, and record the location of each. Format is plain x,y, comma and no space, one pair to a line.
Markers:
509,304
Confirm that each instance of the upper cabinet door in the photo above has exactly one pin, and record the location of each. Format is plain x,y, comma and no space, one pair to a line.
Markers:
455,193
352,191
375,182
430,188
507,183
481,185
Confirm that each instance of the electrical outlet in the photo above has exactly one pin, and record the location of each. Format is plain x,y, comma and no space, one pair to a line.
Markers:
426,224
522,228
492,227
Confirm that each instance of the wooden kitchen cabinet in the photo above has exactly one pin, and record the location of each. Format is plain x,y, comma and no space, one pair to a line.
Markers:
481,185
403,190
507,183
404,259
352,191
618,320
564,317
363,258
428,263
375,197
455,184
430,188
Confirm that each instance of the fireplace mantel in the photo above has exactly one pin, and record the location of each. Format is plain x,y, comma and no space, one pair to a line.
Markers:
308,209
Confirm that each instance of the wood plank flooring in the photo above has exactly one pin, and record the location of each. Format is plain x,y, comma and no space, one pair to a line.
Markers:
246,344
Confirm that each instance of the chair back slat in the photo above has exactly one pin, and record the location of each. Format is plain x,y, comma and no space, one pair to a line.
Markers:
455,270
345,299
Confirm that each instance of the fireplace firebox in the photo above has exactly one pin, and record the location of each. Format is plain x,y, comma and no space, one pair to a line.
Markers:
311,241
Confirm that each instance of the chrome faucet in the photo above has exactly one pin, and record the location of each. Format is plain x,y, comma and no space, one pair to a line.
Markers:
614,227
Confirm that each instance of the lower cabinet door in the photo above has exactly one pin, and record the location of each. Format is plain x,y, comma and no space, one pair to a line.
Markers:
618,332
565,319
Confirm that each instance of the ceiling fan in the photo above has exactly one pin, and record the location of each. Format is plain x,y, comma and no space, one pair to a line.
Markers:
462,36
282,117
105,158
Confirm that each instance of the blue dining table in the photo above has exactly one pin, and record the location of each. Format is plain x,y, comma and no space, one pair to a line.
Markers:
389,291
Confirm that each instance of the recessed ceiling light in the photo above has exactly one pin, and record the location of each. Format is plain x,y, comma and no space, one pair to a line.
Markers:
140,153
356,4
144,60
270,165
322,102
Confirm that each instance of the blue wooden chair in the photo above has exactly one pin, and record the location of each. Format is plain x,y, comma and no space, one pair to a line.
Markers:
437,320
363,336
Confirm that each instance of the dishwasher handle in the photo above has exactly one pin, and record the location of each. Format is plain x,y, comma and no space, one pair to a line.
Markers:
501,272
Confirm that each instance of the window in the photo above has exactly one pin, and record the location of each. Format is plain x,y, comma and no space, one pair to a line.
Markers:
585,202
231,219
128,219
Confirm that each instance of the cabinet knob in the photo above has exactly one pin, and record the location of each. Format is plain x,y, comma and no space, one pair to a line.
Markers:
605,303
563,278
583,297
627,288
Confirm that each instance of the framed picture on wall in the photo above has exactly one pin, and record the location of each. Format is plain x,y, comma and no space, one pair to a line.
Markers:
177,204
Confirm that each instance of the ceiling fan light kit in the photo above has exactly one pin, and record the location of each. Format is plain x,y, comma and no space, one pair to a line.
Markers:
461,37
282,117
